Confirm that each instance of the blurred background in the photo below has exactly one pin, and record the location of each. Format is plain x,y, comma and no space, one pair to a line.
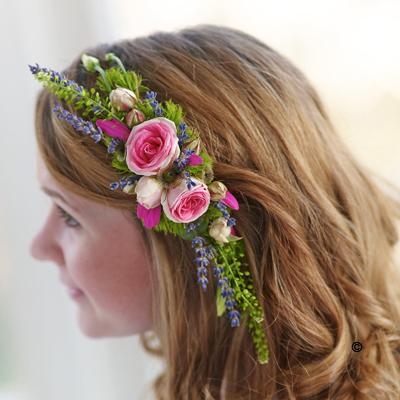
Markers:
348,49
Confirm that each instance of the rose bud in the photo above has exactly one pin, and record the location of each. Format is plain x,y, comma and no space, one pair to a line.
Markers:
123,99
149,191
219,230
133,117
217,190
90,63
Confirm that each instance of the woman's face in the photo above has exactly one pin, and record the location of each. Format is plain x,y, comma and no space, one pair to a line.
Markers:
101,259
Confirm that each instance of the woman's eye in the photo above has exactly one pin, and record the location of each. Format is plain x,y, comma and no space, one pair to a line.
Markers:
68,219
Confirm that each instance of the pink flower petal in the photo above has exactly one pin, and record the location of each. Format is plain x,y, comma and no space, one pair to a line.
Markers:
150,216
233,231
114,128
194,159
230,201
140,211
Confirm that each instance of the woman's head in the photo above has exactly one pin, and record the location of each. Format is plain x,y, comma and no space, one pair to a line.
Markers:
101,258
317,231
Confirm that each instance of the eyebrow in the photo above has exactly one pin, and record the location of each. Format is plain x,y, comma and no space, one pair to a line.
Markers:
53,193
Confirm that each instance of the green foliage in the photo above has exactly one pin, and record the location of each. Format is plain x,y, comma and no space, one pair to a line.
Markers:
173,112
115,78
89,102
119,164
231,258
118,160
191,133
145,108
197,170
168,226
212,212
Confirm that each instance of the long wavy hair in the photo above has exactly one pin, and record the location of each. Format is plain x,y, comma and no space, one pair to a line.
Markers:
319,228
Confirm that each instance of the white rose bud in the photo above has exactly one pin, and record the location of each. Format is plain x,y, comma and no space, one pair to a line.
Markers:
133,117
217,190
219,230
149,191
123,99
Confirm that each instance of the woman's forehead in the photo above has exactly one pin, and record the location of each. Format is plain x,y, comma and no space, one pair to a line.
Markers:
54,189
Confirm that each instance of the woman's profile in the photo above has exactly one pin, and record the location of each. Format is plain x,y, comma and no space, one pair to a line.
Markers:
224,217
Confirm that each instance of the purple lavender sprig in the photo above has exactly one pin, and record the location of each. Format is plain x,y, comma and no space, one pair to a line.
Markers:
113,145
55,76
182,135
69,91
201,261
204,256
224,209
183,160
228,295
78,123
189,182
124,182
155,105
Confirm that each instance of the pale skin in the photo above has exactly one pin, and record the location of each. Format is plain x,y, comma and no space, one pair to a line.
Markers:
101,258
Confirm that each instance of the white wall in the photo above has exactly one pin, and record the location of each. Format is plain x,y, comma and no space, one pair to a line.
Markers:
349,49
43,355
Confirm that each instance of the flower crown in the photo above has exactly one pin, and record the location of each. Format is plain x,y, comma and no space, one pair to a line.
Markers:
161,160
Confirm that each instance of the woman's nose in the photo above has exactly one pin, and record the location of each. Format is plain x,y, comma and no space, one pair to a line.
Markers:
37,249
44,246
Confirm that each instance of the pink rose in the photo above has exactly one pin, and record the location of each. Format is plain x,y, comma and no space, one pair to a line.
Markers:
148,191
183,205
152,146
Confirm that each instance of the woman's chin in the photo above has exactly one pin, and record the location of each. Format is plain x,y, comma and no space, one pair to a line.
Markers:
91,330
95,329
90,326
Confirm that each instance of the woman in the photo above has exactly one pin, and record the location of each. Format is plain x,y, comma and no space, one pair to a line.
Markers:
318,232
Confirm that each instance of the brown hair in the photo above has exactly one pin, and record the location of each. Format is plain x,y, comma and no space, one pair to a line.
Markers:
319,232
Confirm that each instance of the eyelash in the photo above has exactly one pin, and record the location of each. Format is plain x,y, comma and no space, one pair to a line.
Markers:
67,218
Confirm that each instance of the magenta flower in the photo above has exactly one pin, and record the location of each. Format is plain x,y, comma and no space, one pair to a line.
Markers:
194,159
114,128
230,201
150,216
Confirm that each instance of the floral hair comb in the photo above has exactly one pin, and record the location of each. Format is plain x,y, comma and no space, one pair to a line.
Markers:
162,160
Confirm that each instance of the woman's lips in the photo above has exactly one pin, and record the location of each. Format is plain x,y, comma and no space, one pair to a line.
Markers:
74,292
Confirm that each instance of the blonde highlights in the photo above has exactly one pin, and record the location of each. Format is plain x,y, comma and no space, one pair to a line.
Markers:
319,232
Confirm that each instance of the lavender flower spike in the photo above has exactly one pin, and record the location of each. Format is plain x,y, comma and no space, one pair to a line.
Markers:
78,123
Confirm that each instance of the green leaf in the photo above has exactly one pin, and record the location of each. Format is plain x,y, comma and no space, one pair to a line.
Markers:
173,112
168,226
220,303
120,165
